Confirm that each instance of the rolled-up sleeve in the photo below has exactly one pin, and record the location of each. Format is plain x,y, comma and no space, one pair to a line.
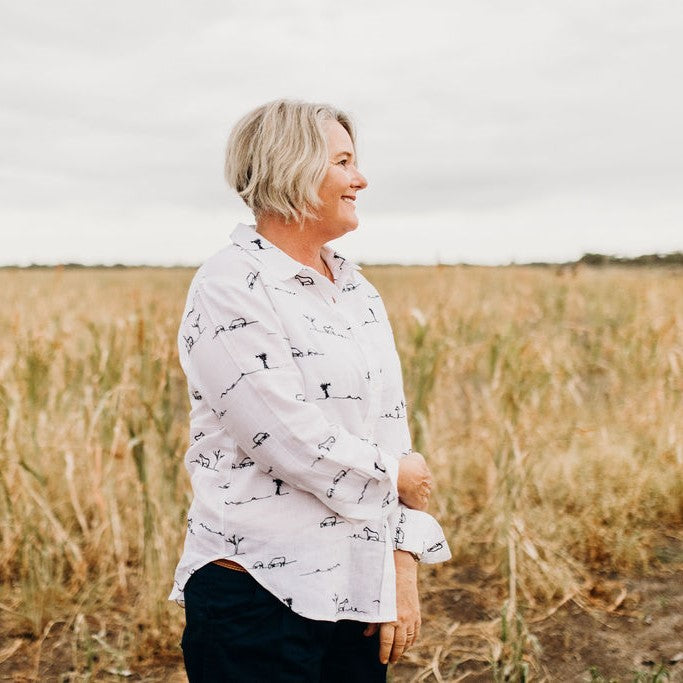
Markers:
235,353
418,532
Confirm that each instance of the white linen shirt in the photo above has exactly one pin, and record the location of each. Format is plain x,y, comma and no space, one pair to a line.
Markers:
297,425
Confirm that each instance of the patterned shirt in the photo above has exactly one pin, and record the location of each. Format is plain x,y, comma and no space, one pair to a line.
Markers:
297,424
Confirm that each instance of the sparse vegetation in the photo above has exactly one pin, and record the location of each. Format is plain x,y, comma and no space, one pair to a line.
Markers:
549,404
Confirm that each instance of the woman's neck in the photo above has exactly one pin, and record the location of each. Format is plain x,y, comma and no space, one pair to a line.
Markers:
301,241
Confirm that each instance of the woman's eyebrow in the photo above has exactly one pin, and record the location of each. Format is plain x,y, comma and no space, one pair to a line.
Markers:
344,153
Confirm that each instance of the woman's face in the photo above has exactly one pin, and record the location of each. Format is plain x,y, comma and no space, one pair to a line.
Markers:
337,192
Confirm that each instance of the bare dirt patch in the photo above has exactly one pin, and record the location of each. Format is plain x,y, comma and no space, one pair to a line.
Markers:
622,629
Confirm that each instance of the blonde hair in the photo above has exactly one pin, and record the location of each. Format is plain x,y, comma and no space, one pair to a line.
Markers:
277,156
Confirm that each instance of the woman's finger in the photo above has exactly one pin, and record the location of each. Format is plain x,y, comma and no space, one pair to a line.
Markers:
413,635
399,644
386,641
370,629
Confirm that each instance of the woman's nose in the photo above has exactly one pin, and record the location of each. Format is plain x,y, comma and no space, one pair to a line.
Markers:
360,182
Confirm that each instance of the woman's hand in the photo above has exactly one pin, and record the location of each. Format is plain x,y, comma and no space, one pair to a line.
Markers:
414,481
397,636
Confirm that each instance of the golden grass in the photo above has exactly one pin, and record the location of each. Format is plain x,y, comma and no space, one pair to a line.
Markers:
548,403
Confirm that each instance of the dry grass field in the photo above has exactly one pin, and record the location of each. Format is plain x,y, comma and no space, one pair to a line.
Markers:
548,402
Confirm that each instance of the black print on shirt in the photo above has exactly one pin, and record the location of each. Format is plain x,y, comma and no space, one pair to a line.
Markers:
248,500
397,413
399,536
340,258
191,339
196,395
337,478
305,280
259,438
332,520
280,289
388,499
344,606
298,353
234,540
349,287
196,323
210,530
322,571
435,547
246,461
218,413
198,436
206,462
362,493
251,279
325,386
236,324
372,319
327,444
326,329
259,245
275,563
278,485
263,358
367,535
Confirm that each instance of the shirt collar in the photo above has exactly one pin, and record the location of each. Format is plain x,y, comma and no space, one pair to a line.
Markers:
284,266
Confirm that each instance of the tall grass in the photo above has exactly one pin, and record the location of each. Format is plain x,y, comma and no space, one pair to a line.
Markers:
549,406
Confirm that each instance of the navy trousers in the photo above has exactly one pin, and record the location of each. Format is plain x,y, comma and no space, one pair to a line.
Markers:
237,631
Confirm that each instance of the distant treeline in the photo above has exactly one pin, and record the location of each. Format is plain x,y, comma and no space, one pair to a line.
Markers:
673,259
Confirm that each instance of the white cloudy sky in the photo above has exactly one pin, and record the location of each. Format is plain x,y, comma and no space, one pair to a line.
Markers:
490,130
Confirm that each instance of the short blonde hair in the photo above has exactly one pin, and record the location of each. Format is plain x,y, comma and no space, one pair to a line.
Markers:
277,156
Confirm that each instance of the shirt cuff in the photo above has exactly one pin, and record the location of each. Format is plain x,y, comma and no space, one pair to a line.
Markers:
391,466
418,532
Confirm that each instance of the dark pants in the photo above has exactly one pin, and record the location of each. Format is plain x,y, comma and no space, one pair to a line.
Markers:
237,631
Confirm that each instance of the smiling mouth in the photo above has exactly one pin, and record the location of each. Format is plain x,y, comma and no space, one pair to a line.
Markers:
350,200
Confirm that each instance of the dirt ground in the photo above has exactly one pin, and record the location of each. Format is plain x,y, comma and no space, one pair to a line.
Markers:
624,629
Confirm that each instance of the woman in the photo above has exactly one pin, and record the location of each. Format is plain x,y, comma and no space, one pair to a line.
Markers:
308,511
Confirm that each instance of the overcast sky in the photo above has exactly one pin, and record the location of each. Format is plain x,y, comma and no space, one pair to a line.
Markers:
490,131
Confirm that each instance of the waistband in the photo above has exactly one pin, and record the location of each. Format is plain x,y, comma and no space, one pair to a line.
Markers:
229,564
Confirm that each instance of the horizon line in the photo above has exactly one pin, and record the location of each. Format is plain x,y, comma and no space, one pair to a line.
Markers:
668,258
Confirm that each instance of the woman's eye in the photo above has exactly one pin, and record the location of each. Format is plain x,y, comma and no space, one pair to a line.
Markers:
343,162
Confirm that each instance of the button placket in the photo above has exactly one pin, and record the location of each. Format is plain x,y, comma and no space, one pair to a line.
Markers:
327,290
